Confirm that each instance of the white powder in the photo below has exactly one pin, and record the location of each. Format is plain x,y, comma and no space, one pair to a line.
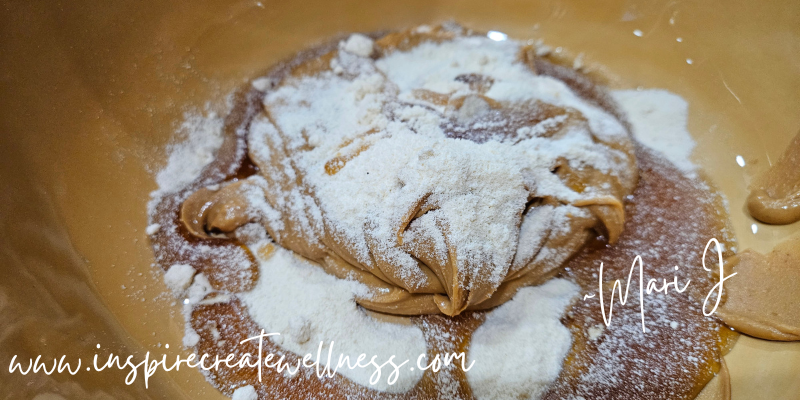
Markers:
199,288
261,84
306,306
188,158
245,393
435,66
659,119
519,350
395,152
190,338
152,229
178,277
358,44
595,331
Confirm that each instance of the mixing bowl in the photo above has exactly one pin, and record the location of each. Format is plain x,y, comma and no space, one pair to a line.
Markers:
93,92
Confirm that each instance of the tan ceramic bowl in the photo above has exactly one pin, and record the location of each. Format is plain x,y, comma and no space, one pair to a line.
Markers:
92,92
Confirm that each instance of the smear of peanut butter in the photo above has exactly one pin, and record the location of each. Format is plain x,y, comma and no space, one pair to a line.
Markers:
219,211
775,195
762,297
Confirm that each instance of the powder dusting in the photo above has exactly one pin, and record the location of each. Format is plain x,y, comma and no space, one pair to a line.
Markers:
203,137
659,119
307,306
519,349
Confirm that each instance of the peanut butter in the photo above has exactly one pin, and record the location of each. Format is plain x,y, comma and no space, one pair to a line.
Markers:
775,195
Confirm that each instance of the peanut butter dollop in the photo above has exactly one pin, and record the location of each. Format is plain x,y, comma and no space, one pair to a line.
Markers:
775,197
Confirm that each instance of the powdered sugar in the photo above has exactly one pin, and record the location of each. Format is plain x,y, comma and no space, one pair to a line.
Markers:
152,229
518,351
306,305
178,277
659,120
358,44
434,66
245,393
203,137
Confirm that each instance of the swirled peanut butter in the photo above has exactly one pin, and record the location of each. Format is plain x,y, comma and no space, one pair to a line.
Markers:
775,195
437,167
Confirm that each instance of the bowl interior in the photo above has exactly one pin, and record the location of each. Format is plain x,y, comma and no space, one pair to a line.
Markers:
94,92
